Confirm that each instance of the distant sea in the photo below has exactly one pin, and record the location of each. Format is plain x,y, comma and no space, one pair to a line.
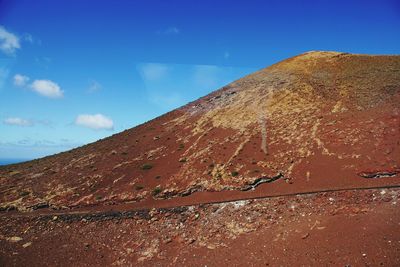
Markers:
11,161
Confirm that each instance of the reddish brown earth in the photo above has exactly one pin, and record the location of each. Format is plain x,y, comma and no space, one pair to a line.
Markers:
319,122
348,228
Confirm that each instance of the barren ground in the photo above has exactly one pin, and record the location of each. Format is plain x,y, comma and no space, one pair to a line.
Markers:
296,164
353,228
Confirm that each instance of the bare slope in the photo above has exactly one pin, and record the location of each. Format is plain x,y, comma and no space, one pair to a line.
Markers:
318,121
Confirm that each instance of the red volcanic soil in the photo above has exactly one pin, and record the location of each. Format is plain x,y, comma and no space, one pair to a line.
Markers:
348,228
319,133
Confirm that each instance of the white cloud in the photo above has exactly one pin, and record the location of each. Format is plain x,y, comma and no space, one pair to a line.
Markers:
153,71
47,88
17,122
170,31
20,80
9,42
96,121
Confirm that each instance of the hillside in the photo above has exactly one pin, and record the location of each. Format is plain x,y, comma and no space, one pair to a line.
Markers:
317,121
297,164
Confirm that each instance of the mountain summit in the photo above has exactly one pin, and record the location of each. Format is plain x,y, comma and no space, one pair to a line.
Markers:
319,121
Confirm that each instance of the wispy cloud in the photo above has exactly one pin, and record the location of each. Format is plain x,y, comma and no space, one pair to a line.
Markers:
9,42
208,76
20,80
31,142
15,121
169,86
94,86
47,88
168,99
170,31
3,75
153,71
43,62
29,148
41,143
96,121
227,55
27,37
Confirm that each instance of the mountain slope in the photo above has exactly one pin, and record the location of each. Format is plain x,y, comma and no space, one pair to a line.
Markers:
318,121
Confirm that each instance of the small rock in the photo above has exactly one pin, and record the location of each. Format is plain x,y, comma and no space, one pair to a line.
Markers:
27,244
15,239
191,241
305,236
167,241
364,255
211,246
214,209
356,210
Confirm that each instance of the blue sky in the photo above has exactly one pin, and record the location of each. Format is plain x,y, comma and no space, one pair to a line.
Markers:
72,72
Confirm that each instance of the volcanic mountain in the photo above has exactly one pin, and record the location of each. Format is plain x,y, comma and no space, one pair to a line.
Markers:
315,122
297,164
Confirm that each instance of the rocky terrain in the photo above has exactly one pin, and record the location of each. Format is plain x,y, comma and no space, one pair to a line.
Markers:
351,228
298,163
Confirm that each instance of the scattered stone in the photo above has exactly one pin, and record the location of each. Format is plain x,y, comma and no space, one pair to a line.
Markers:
214,209
211,246
27,244
305,236
167,241
15,239
190,241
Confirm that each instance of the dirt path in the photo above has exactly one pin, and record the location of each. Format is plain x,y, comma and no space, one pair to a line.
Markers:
127,210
